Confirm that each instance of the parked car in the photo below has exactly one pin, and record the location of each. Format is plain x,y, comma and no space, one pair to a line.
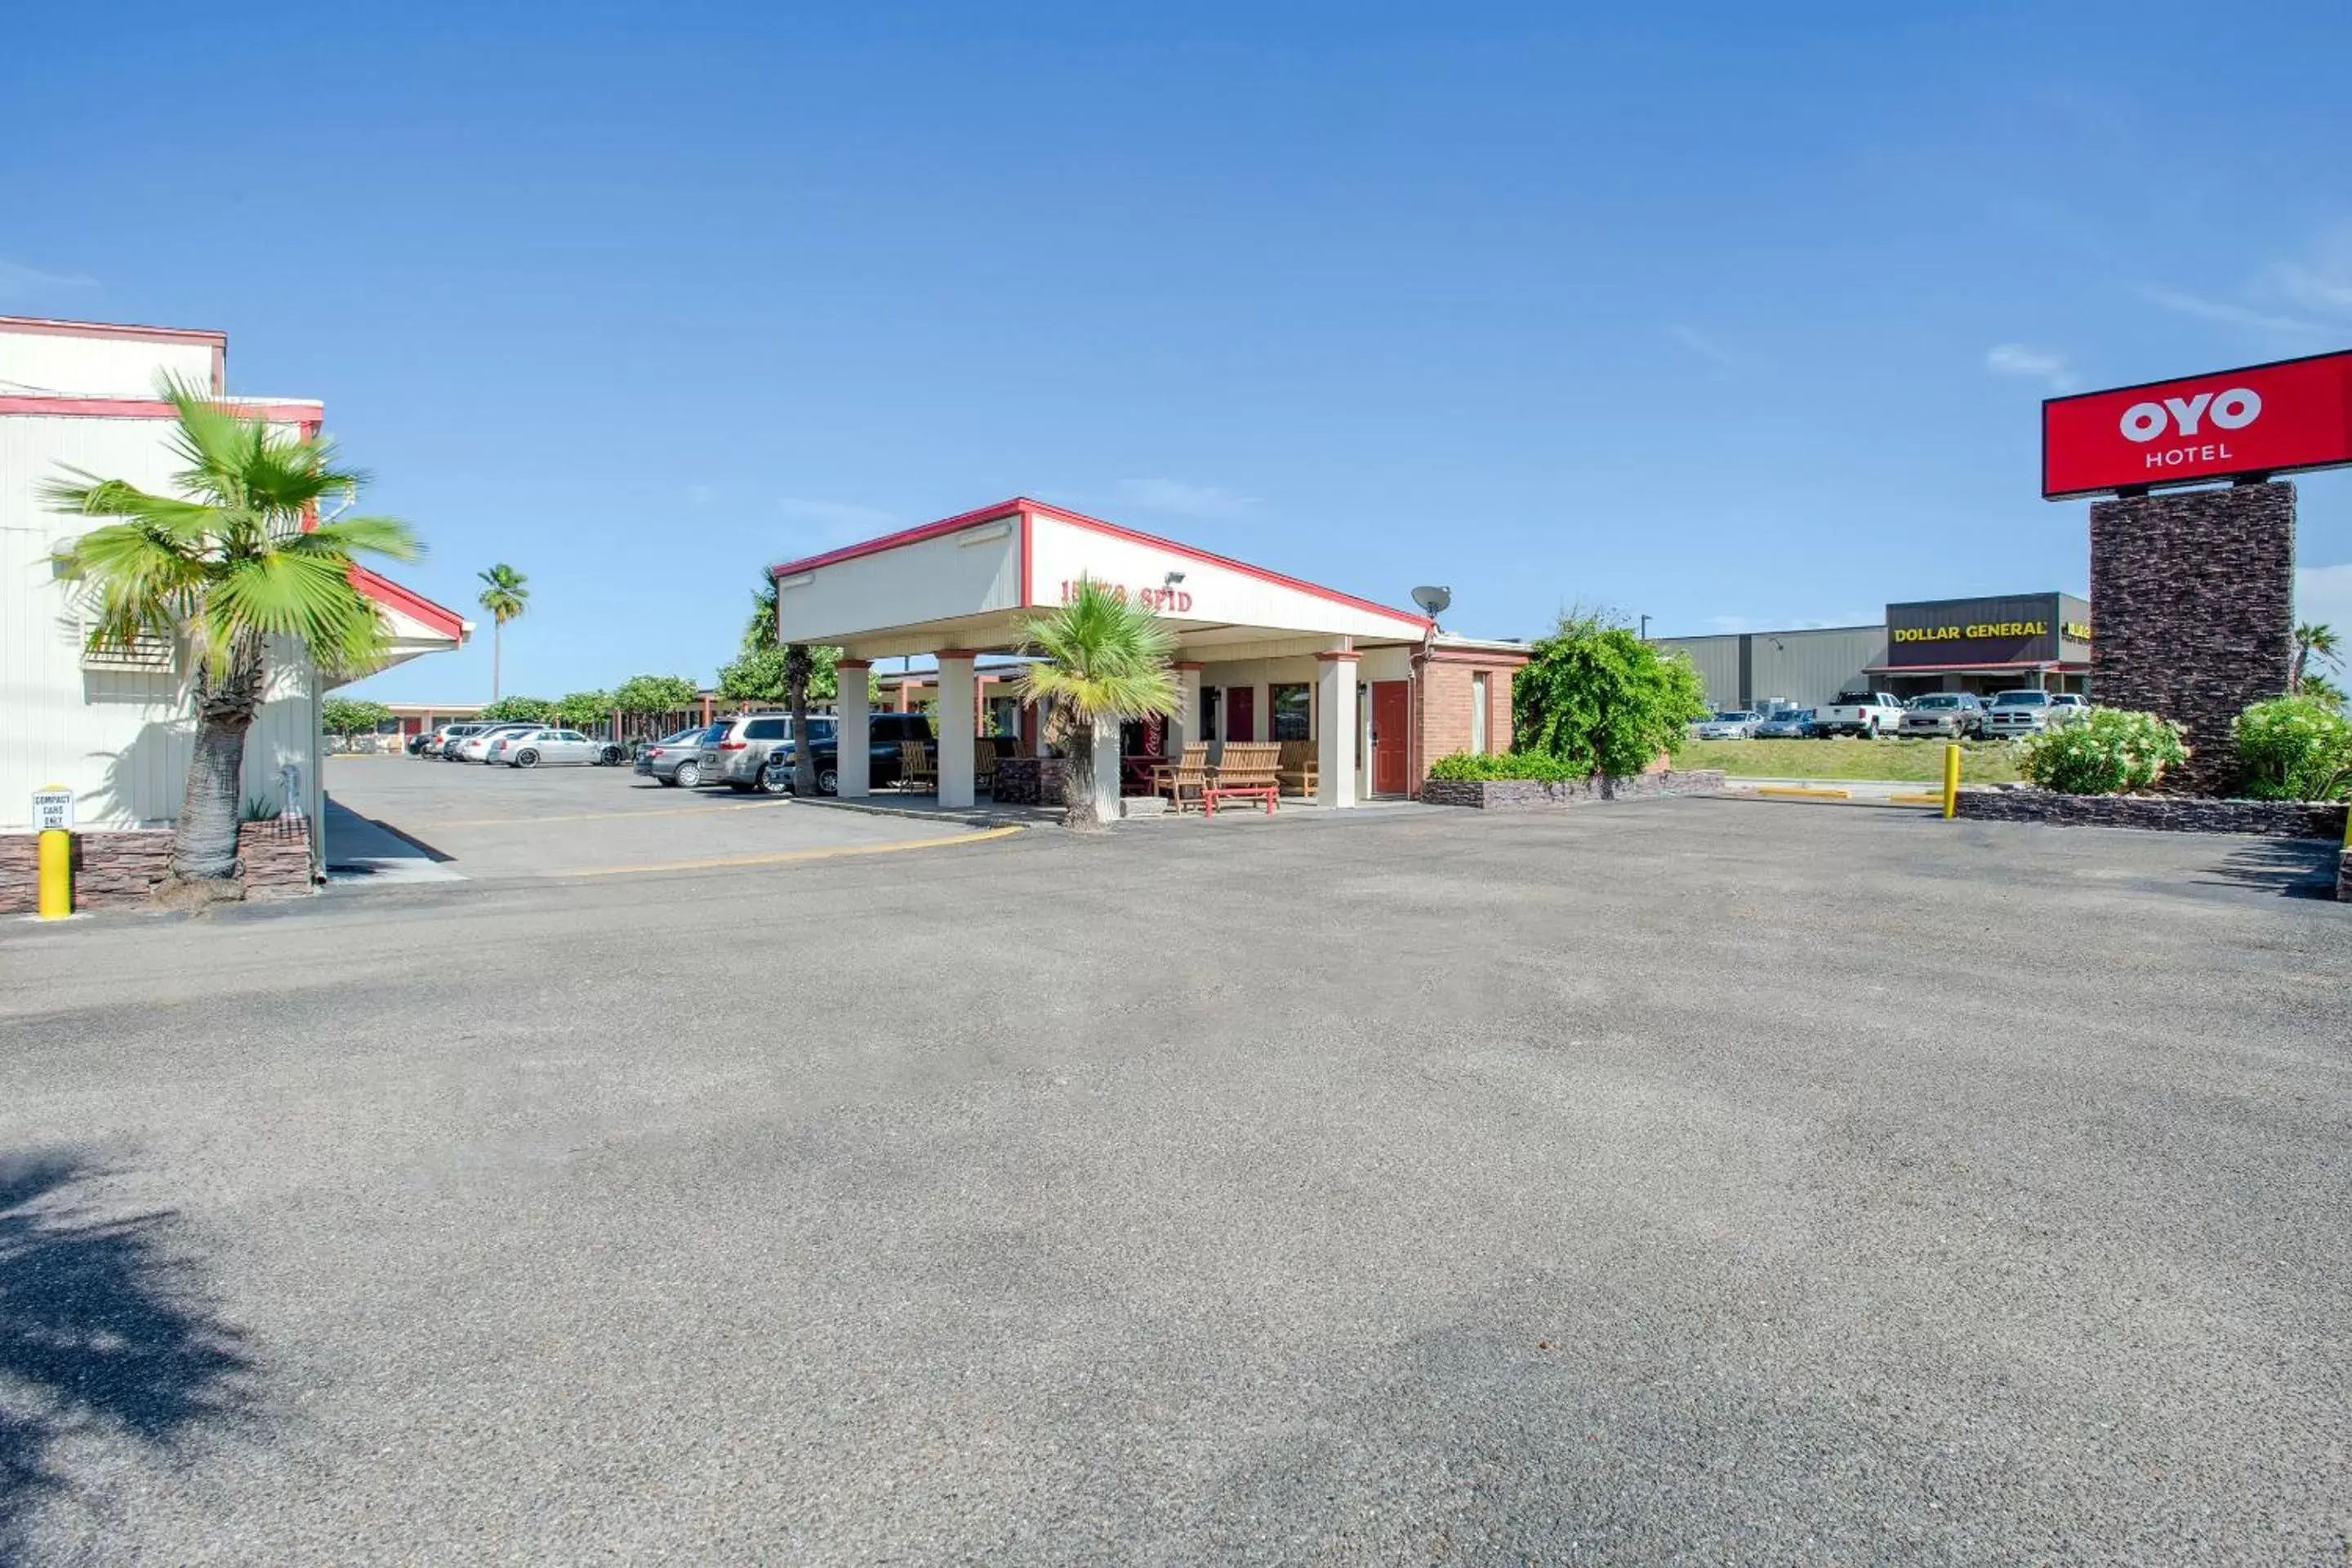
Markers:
2069,707
1869,713
549,747
476,747
674,761
1945,716
886,732
2016,713
1788,724
415,744
438,743
1733,724
736,750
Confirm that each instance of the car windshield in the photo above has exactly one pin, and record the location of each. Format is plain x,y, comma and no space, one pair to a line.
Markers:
1729,718
1937,702
2021,699
716,733
681,738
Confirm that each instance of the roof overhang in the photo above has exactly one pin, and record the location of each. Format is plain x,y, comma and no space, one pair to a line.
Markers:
971,582
414,624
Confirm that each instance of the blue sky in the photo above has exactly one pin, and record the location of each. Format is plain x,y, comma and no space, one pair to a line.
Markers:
1735,315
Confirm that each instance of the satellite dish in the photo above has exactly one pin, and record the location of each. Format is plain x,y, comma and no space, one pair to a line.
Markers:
1433,601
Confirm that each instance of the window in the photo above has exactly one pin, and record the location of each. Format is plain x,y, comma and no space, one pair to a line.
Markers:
1294,711
1479,714
1208,712
764,730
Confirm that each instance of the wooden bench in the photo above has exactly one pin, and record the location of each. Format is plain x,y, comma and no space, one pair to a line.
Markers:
1249,770
1296,770
1190,771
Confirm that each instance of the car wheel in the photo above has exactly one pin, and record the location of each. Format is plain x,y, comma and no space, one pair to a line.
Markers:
526,758
828,782
689,775
775,781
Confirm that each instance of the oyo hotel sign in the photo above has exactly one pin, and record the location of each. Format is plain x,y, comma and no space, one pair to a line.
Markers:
2234,424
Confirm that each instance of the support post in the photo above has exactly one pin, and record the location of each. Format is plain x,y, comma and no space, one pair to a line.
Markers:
952,727
855,767
1335,745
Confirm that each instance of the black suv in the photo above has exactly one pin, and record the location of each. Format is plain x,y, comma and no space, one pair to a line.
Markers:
885,733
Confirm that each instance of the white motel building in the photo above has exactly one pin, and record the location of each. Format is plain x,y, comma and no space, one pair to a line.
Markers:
1372,694
116,728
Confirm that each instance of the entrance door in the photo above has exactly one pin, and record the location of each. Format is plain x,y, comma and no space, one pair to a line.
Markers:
1392,767
1241,712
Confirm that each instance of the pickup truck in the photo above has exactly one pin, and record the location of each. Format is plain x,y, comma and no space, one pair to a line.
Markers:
1871,713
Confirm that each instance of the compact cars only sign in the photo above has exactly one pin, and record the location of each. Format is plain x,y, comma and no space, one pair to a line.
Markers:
2265,419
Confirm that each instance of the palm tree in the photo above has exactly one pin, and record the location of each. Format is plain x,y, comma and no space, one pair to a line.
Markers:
226,565
505,593
798,668
1107,662
2313,640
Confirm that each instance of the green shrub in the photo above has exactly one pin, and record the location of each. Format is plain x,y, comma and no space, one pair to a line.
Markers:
1506,765
2112,751
2294,748
1598,699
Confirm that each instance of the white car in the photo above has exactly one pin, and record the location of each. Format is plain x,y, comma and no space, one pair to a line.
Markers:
1734,724
546,748
475,748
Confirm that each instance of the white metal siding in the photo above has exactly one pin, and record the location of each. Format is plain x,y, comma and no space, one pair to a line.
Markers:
98,366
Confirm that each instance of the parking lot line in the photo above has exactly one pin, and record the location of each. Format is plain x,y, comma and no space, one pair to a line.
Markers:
602,815
786,856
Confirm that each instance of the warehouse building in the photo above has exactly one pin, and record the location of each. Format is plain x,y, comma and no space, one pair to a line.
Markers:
1980,645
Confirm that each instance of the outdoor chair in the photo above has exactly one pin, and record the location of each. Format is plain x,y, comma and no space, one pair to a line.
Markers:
983,763
1190,771
1249,770
1296,770
917,770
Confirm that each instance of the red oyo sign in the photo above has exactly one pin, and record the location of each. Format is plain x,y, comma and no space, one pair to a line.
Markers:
2263,420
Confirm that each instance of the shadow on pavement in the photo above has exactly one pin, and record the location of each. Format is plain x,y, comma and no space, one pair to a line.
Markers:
2291,868
104,1331
356,841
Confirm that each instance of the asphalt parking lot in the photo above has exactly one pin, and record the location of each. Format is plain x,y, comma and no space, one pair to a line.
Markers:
479,822
1658,1180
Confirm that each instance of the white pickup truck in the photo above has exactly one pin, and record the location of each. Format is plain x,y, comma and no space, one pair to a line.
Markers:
1871,713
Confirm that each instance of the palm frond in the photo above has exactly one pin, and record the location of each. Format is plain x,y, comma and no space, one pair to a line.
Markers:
386,536
1107,659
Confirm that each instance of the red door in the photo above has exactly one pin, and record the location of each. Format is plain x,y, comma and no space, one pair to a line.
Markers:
1241,712
1391,767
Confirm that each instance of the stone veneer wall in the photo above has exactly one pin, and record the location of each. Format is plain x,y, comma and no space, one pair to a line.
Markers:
1027,781
114,870
2169,813
2193,594
1531,794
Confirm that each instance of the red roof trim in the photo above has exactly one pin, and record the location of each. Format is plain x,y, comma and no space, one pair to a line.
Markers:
1026,509
302,412
408,601
50,326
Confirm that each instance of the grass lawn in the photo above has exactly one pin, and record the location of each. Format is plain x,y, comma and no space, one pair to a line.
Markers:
1981,762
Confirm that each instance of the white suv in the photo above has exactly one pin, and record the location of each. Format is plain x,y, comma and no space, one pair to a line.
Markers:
735,750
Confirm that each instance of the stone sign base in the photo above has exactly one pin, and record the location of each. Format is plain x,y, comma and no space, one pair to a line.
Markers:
2192,602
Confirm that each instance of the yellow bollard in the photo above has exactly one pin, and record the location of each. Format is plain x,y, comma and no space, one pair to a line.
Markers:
1951,780
57,874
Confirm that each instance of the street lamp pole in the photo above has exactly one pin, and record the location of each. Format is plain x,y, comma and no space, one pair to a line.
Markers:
1645,628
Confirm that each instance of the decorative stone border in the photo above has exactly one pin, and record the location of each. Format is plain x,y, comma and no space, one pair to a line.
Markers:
117,870
1531,794
2163,813
1027,781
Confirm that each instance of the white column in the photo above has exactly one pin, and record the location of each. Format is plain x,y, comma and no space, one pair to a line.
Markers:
953,720
1106,767
1185,728
1335,717
857,765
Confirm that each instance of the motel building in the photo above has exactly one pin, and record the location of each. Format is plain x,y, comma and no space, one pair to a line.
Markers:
1369,694
117,728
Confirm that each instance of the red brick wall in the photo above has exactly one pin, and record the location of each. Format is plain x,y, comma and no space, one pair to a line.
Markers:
1445,692
115,870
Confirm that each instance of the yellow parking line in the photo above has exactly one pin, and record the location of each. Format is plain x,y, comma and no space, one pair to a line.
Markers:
599,815
1917,799
787,857
1805,794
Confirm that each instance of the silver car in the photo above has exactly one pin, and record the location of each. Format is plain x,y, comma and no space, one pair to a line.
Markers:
2014,714
735,751
545,748
1736,724
674,761
476,747
1787,724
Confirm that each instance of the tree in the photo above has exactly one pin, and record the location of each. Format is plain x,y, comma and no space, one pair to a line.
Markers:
2314,641
505,593
583,709
1594,695
518,710
225,567
798,666
1107,661
757,672
351,716
654,694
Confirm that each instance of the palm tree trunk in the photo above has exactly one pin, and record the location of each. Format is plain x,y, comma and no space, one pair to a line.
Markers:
796,682
203,841
496,626
1082,806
